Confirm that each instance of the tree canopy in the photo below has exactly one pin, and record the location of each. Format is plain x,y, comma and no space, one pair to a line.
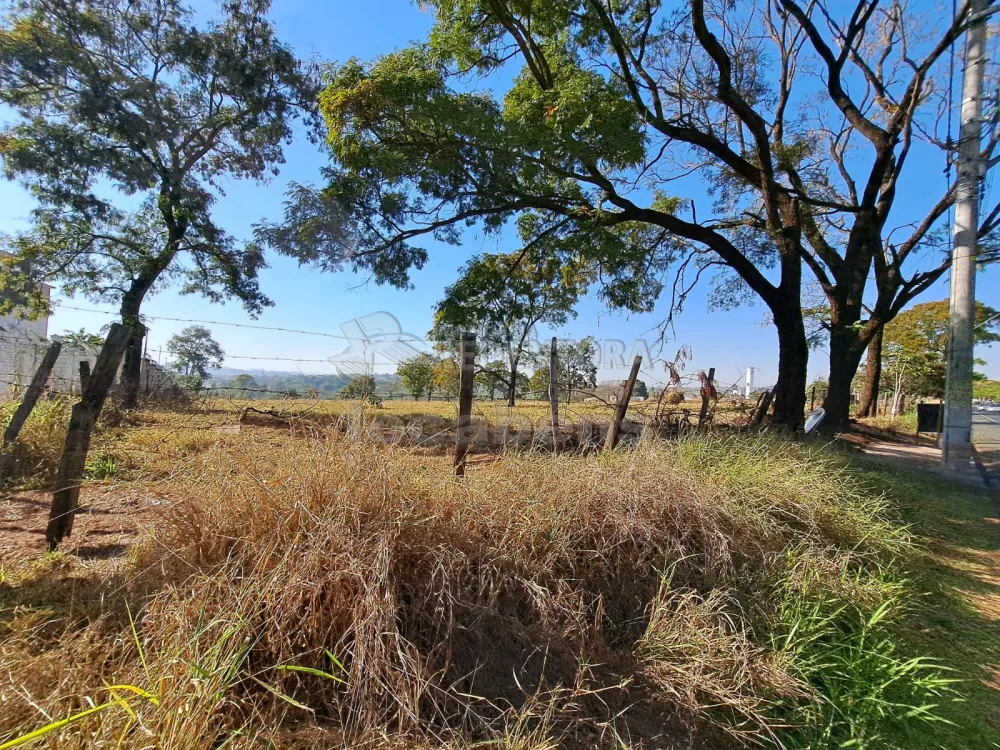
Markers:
613,105
417,374
915,344
503,297
129,119
195,352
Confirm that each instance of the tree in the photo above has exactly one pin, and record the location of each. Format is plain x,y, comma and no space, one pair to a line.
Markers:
82,339
417,374
447,377
640,389
988,390
539,384
122,98
360,387
195,352
492,377
614,102
503,297
577,365
915,346
243,384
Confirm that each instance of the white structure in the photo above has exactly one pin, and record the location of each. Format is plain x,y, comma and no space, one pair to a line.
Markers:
749,389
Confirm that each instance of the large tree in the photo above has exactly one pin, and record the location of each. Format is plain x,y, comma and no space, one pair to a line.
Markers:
129,119
800,122
503,297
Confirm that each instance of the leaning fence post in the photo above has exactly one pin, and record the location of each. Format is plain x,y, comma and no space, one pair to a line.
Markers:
554,392
83,417
622,406
468,372
765,405
28,402
707,389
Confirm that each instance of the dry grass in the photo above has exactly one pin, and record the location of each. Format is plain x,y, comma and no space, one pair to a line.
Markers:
311,591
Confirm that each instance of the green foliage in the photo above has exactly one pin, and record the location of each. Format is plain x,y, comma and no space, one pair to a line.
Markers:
865,690
81,339
241,382
116,100
503,298
577,364
539,383
447,377
192,382
986,389
418,375
360,387
102,465
915,343
417,157
640,389
195,352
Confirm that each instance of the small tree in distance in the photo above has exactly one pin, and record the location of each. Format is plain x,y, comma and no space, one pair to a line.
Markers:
242,384
417,374
447,377
503,297
577,365
194,353
360,387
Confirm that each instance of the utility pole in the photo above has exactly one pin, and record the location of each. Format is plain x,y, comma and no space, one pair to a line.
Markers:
956,437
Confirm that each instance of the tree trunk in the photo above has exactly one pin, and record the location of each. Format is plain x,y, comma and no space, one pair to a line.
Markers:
873,377
82,420
845,357
132,370
793,360
512,390
793,347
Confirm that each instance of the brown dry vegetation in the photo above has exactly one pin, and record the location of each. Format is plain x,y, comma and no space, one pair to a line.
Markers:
293,588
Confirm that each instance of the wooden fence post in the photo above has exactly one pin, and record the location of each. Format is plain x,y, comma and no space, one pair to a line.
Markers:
465,391
31,396
622,406
554,392
83,417
707,389
812,399
84,375
765,405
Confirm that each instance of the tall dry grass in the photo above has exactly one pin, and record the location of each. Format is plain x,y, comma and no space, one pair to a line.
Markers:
326,593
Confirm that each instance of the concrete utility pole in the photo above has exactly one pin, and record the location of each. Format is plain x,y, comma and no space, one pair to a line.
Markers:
956,437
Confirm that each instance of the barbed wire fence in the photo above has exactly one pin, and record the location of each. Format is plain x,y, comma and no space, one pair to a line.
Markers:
22,351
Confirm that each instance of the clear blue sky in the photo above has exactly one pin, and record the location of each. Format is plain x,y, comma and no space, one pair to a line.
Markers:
306,299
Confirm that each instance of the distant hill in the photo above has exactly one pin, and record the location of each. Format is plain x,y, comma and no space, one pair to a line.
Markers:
326,385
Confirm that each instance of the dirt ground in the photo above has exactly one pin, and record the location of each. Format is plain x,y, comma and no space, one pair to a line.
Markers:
111,519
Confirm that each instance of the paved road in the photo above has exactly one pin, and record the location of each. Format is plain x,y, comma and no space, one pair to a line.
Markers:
986,436
986,430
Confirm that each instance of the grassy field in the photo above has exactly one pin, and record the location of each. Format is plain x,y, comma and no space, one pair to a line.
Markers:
286,585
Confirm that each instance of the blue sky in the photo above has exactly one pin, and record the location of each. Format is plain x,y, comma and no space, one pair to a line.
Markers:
307,299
